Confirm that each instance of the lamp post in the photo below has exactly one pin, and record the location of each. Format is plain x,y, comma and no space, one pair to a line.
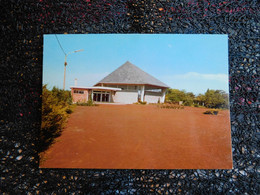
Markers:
65,64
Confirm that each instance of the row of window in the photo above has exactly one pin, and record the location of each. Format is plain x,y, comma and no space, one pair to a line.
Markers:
134,87
79,91
124,87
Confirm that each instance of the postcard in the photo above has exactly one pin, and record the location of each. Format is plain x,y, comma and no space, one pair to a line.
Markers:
135,101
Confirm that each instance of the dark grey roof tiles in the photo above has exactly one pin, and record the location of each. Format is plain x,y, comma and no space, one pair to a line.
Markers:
131,74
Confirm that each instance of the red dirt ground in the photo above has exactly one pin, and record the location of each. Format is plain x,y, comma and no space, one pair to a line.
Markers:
142,137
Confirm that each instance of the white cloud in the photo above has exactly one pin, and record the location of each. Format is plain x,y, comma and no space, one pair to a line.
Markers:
195,75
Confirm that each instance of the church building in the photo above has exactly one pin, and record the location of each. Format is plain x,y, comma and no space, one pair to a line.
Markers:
127,84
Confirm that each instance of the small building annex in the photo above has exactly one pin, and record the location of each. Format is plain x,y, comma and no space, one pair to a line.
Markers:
127,84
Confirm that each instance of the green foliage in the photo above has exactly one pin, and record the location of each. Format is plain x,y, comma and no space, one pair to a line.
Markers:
171,106
211,112
211,99
64,97
216,99
142,102
196,105
88,103
56,107
176,96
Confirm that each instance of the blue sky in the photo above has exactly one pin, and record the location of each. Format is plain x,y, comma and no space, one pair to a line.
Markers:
190,62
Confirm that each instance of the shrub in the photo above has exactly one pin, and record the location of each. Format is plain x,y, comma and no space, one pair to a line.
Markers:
141,102
211,112
56,107
68,110
196,105
86,104
171,106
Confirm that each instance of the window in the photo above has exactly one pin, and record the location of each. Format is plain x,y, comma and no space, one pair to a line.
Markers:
101,96
79,91
123,87
154,90
131,88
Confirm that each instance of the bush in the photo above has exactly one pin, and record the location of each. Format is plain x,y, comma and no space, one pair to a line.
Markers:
88,103
56,107
143,103
140,102
196,105
211,112
171,106
69,111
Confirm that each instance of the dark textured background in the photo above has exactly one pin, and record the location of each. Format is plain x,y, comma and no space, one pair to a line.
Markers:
23,23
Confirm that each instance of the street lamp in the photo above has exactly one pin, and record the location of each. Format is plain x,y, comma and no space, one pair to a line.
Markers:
65,64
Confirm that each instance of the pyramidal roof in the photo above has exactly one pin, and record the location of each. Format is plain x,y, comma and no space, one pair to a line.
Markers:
128,73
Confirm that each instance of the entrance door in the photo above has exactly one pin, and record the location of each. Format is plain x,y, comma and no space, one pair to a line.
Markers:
101,96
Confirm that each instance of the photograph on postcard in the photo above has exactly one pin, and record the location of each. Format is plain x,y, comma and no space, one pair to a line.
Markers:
135,101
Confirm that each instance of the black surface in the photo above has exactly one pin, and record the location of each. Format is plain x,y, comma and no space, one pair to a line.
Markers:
23,24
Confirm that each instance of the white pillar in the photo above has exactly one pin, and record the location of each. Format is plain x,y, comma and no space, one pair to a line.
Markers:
142,92
163,95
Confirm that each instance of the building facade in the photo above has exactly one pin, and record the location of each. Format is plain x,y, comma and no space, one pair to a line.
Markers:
127,84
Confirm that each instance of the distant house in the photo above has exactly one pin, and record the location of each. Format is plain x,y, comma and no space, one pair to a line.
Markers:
127,84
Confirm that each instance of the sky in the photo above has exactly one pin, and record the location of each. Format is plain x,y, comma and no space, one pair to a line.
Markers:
189,62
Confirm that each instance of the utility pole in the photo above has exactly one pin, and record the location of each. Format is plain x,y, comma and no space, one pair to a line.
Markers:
65,64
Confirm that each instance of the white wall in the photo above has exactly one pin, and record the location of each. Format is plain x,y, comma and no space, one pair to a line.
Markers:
125,97
152,99
129,95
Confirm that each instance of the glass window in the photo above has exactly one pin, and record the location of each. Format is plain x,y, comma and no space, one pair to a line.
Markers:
79,91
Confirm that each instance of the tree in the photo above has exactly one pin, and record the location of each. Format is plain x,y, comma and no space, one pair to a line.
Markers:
211,98
189,99
175,95
200,99
216,99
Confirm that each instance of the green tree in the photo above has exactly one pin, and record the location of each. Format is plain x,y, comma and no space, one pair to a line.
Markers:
175,95
216,99
200,99
189,99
